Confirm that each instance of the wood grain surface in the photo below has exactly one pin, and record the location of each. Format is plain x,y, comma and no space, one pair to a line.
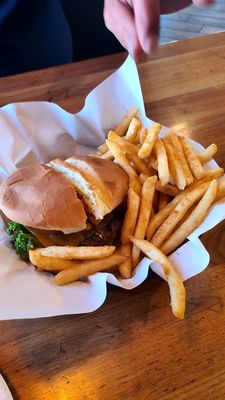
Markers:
133,347
192,21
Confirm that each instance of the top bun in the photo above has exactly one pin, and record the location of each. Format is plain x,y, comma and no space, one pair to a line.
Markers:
39,197
102,184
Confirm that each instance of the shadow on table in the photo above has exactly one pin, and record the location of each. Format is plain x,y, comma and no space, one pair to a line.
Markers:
48,346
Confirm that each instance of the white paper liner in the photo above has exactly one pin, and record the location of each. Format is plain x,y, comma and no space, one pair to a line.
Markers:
4,390
40,131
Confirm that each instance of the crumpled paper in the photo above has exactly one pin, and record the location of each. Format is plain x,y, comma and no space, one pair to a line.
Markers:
41,131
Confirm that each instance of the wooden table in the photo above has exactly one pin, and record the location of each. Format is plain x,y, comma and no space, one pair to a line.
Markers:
133,347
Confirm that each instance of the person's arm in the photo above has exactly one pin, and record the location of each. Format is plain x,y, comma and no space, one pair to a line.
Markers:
136,23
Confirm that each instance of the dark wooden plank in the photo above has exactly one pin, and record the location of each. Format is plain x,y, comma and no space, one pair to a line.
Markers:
178,16
171,24
199,19
177,34
208,29
209,17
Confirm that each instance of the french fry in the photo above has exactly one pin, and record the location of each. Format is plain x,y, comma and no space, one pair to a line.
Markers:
152,213
192,222
178,213
181,157
193,161
142,178
123,125
212,174
172,181
164,199
208,153
130,219
176,286
107,156
122,160
147,195
86,268
97,154
153,163
167,189
124,144
158,218
163,167
133,129
140,165
77,253
142,135
125,268
151,137
188,213
175,167
49,263
103,148
220,189
155,201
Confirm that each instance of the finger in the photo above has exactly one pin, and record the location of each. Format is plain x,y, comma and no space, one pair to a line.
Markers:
119,19
147,17
203,3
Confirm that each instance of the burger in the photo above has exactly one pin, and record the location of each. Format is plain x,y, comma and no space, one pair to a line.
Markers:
79,201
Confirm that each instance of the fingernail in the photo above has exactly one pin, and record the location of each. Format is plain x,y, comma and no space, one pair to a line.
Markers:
150,44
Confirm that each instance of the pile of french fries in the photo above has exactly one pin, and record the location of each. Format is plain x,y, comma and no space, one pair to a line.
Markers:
169,196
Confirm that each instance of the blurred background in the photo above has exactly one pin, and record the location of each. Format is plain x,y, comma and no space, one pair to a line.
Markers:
91,39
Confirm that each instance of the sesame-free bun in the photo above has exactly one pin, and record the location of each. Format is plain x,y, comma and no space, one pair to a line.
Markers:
46,196
39,197
101,184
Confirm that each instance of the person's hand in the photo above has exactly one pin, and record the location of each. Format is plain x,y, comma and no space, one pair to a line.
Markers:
136,23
